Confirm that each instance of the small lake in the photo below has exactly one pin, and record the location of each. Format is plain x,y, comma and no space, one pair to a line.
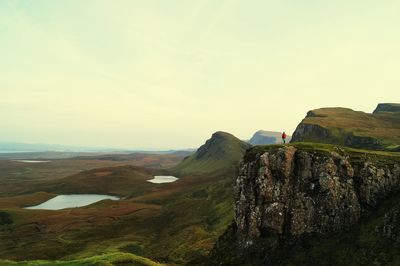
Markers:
71,201
159,179
30,161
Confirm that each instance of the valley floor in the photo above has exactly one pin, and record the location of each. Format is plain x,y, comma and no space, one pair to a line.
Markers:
167,223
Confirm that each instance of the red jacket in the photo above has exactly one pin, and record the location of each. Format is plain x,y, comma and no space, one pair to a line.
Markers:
284,136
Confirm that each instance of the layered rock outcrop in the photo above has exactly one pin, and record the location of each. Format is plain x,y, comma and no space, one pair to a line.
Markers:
291,191
346,127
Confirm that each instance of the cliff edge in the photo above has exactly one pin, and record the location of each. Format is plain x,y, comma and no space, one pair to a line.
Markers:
290,199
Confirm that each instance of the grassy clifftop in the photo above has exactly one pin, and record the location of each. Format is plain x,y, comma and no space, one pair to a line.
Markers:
354,154
343,126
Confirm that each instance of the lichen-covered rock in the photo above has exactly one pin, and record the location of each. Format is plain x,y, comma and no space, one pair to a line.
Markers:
376,182
291,192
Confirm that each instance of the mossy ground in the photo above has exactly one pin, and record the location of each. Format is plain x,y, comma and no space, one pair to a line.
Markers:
110,259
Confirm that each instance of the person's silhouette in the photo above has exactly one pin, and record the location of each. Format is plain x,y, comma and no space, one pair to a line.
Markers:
284,137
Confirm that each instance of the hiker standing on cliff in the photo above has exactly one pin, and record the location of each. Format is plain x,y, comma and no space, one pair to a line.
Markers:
284,137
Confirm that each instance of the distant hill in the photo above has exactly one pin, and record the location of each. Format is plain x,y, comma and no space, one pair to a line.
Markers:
18,150
222,151
343,126
9,147
263,137
387,107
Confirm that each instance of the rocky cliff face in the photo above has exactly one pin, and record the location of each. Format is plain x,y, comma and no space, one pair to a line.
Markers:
391,225
312,132
290,192
313,204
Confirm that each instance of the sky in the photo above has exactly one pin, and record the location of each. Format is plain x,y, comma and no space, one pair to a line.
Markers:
156,74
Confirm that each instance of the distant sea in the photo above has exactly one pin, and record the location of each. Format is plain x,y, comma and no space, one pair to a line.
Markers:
8,151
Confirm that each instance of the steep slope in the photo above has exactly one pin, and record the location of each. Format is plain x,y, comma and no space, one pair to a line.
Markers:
263,137
306,204
221,151
342,126
387,107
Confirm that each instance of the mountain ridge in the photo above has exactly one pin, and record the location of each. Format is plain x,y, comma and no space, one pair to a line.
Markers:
344,126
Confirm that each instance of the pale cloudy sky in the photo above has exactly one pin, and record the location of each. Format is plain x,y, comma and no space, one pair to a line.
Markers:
167,74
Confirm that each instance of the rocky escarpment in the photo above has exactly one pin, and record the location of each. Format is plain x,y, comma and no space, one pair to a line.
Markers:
316,133
346,127
291,192
285,195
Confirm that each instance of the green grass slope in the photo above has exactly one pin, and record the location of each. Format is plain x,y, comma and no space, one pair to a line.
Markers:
110,259
220,152
343,126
